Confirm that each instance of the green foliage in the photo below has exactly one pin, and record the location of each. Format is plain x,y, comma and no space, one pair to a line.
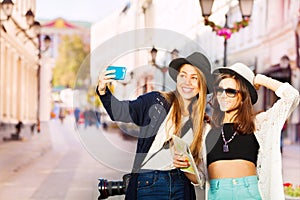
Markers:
291,190
92,97
72,52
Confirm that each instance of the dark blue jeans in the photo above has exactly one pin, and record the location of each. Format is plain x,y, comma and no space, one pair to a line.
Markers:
162,185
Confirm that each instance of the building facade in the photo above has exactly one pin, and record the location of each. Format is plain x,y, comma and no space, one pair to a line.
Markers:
19,61
56,29
260,45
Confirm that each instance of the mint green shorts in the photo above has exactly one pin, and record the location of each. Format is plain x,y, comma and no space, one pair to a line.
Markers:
245,188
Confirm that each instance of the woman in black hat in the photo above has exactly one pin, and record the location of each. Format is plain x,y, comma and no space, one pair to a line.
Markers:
243,148
160,115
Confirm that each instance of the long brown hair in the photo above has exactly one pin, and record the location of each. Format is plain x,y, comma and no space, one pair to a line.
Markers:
244,117
196,113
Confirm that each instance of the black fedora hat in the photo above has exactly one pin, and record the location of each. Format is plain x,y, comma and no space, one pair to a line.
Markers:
196,59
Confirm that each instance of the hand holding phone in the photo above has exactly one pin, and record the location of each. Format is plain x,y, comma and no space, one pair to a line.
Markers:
120,72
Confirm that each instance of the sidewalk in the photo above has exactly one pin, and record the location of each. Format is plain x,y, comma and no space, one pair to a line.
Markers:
291,163
16,155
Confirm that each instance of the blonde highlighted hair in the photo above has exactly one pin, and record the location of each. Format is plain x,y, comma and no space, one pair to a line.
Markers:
196,114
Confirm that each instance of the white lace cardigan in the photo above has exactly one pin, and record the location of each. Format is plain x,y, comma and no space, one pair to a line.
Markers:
268,131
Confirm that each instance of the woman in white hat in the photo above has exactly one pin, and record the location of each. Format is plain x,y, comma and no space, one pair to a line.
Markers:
243,148
160,115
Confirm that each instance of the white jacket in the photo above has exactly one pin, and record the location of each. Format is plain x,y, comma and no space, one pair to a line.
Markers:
268,131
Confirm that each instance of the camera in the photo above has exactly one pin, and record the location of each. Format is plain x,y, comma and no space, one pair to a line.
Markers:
111,188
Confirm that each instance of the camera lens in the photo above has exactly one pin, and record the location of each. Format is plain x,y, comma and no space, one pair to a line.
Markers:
110,188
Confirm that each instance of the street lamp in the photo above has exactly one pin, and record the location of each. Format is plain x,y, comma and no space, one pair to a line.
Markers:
47,42
36,26
174,54
163,69
7,7
246,7
153,55
29,17
37,29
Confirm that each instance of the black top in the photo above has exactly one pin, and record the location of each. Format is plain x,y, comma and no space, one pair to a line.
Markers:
241,146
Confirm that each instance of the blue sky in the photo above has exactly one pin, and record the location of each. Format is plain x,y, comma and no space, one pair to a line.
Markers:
78,10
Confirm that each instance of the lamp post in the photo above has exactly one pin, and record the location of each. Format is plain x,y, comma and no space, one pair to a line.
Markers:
163,69
37,29
297,39
246,7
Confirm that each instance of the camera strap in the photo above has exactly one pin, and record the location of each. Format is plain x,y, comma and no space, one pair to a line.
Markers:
187,125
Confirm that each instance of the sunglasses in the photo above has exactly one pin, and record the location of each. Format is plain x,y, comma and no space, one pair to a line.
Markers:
228,91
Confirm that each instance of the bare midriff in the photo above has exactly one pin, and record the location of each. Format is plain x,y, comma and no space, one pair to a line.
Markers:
231,169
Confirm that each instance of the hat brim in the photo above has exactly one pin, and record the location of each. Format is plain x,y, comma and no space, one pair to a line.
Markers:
175,65
251,89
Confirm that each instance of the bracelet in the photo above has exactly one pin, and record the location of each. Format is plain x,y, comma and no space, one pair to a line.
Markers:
102,92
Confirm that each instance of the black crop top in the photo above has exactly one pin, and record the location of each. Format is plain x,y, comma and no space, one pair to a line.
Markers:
241,146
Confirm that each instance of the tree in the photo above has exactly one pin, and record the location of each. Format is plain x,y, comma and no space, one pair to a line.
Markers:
72,52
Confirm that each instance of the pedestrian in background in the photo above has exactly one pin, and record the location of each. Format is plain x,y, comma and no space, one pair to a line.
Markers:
243,148
16,135
77,115
160,115
87,117
62,114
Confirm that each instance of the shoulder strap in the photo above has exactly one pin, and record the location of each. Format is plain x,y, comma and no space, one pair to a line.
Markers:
187,125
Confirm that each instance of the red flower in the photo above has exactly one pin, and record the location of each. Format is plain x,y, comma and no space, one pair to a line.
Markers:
287,184
227,32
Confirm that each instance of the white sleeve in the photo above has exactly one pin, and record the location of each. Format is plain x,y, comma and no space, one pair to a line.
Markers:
282,108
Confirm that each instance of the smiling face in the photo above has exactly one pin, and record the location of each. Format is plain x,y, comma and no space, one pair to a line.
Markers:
188,82
228,95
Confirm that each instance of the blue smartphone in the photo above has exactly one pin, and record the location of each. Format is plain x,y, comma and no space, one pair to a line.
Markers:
120,72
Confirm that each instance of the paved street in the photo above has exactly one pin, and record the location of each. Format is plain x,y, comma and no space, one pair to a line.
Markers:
61,163
291,164
55,165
